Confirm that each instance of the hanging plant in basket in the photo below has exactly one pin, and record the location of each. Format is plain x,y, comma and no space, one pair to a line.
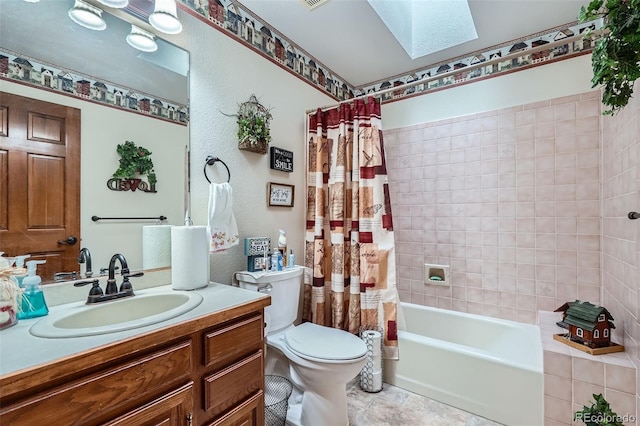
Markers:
253,126
616,55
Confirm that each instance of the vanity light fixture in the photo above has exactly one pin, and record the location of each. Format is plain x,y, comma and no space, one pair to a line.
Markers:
118,4
87,15
32,1
142,40
165,17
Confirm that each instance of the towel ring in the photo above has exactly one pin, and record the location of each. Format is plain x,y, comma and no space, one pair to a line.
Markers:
210,161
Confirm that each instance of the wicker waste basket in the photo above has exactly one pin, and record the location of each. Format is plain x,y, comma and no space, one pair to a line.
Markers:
277,390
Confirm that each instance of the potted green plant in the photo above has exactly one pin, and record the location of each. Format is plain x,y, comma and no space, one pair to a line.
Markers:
253,130
135,161
616,56
253,126
598,414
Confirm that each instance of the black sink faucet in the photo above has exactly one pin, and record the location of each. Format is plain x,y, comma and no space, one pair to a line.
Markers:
85,257
111,291
112,287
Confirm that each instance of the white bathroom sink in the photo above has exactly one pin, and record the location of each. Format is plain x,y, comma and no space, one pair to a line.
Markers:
118,315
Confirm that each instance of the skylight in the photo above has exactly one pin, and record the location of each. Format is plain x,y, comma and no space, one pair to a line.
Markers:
427,26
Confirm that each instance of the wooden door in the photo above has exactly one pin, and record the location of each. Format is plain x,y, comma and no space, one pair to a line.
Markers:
40,182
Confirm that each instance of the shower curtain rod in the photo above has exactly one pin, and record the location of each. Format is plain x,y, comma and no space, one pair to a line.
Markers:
424,80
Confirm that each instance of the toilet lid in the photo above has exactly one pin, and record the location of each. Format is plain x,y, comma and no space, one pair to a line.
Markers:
322,342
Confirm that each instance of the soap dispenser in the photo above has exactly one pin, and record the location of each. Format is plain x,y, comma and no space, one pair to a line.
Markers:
20,266
33,304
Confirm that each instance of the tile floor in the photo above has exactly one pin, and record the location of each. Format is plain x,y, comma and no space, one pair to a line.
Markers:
394,406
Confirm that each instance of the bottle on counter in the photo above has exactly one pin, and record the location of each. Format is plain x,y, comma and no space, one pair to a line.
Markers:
282,247
33,303
280,261
291,262
20,265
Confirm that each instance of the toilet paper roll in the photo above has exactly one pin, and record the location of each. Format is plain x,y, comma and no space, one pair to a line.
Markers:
376,382
156,246
189,257
373,339
376,363
371,373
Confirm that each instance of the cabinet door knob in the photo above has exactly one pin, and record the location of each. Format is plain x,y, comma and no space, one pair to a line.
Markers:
189,419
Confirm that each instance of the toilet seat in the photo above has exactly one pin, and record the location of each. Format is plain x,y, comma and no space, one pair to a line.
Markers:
316,342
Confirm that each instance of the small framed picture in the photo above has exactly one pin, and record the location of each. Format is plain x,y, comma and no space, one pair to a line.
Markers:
280,194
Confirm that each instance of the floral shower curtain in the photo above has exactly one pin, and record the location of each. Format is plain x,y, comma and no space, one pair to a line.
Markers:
350,274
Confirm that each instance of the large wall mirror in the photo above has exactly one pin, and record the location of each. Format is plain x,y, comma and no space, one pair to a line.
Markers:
43,32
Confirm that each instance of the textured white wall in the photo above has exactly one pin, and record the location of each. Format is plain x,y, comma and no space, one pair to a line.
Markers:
224,74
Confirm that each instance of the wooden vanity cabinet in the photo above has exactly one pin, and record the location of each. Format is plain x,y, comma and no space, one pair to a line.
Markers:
206,371
232,372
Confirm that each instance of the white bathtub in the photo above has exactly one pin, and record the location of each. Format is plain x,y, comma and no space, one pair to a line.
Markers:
486,366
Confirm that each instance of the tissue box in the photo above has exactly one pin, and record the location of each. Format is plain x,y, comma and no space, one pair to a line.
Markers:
256,246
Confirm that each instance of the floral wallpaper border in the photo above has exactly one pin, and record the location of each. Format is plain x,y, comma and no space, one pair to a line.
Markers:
30,71
239,22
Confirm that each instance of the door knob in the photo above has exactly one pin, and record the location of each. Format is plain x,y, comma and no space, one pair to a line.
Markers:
69,241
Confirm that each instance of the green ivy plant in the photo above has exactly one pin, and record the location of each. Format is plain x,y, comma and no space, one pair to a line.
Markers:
599,414
134,160
616,56
253,125
253,128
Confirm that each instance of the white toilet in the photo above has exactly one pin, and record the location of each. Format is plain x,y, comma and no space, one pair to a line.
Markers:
318,360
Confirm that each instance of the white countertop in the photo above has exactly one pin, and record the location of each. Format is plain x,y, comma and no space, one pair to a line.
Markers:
20,350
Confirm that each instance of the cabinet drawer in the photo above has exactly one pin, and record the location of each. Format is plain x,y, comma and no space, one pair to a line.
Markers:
231,385
108,393
233,341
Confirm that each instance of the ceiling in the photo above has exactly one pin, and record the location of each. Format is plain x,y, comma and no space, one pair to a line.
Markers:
349,38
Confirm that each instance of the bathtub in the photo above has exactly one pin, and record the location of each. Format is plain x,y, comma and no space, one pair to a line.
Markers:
486,366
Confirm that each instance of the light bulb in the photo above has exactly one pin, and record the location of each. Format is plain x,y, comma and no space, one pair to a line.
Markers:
87,15
165,17
142,40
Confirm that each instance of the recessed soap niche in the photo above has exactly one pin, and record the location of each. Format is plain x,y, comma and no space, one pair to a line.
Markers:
436,274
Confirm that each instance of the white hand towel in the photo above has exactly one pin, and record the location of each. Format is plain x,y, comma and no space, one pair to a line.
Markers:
222,223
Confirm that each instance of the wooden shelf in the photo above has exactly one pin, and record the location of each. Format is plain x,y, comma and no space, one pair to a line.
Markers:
613,347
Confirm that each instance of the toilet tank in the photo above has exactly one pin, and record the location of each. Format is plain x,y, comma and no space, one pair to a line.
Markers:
283,287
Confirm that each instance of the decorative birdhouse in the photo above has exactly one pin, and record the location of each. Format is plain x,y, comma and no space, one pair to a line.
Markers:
588,324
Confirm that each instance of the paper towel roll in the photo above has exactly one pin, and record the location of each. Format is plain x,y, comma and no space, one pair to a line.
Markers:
189,257
156,246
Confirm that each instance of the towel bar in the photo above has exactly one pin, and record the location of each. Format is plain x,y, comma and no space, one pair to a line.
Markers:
158,218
